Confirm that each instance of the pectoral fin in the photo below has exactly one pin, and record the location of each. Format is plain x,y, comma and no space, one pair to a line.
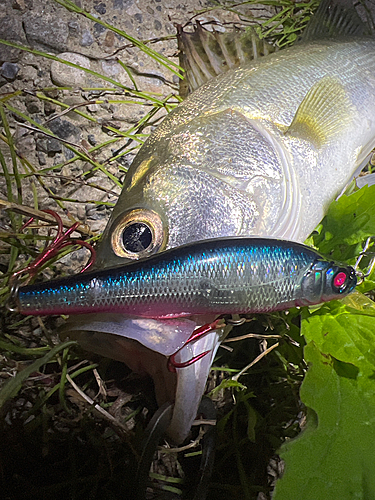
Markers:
323,114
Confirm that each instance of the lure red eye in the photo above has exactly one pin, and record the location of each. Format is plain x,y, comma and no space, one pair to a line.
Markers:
339,279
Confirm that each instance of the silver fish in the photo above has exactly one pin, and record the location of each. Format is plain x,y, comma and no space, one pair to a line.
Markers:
260,151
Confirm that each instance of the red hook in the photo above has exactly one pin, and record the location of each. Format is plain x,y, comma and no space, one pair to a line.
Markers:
197,334
61,240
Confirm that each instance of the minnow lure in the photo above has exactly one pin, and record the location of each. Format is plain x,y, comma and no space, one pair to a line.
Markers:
238,275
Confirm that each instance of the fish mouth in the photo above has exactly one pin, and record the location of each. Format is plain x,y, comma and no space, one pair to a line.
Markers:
145,346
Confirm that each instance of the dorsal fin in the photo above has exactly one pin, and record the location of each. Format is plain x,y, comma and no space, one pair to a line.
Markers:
205,54
334,18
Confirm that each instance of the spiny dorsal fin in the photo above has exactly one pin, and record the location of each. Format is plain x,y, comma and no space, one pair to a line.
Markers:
334,18
205,54
324,112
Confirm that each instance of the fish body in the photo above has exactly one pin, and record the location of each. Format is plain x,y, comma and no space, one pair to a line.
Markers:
237,276
261,150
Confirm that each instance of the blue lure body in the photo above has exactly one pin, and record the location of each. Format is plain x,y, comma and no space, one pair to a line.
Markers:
237,275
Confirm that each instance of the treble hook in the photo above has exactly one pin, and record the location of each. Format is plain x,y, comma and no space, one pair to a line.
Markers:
361,275
61,240
197,334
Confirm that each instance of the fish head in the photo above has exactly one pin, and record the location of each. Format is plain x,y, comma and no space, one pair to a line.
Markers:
325,281
213,176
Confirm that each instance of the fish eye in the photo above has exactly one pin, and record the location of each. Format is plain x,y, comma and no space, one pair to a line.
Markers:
137,234
137,237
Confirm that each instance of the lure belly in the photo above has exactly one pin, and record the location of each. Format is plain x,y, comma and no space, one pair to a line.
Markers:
245,275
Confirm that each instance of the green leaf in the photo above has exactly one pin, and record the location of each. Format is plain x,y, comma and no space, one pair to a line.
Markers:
334,457
350,221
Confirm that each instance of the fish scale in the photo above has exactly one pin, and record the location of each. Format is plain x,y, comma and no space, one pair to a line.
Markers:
213,277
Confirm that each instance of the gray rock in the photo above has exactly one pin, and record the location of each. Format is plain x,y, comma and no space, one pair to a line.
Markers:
68,153
122,4
101,8
67,76
91,139
22,4
64,129
9,70
58,158
49,108
99,29
33,104
53,146
41,145
41,158
46,32
11,30
86,39
93,108
74,28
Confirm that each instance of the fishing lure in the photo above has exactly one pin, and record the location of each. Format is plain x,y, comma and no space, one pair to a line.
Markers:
237,275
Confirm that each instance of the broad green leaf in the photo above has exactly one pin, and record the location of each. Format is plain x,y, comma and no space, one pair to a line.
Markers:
345,330
349,221
334,457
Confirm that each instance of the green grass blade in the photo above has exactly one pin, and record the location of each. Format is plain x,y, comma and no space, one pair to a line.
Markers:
11,389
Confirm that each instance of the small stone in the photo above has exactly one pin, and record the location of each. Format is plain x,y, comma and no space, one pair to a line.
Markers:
91,139
157,24
111,68
109,40
23,140
11,29
101,8
138,17
41,145
93,108
68,153
53,146
81,212
33,104
99,29
122,4
52,93
96,213
57,160
64,129
74,28
9,71
46,32
86,39
49,108
67,76
41,158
